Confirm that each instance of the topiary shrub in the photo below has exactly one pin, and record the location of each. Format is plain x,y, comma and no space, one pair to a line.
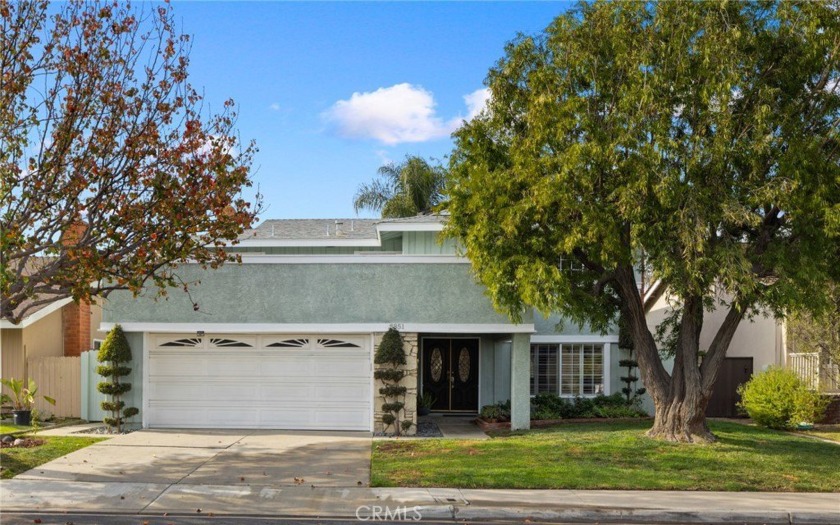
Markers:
390,350
390,354
625,342
113,353
778,398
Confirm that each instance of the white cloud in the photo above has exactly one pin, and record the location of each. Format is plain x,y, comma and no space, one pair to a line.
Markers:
398,114
274,106
476,101
391,115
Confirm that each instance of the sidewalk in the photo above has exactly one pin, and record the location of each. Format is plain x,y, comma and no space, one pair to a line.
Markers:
148,499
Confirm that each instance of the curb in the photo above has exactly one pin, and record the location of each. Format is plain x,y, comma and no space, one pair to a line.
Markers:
612,515
466,514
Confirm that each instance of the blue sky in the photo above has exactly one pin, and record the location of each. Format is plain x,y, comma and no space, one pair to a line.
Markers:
330,91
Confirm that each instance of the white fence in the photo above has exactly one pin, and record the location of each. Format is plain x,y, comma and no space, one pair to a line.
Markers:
59,378
818,374
91,397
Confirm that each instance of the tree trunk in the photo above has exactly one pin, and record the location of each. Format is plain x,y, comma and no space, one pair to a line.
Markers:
681,419
679,398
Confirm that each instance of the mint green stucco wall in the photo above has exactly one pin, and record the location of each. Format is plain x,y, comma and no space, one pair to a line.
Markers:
317,293
494,370
426,243
548,326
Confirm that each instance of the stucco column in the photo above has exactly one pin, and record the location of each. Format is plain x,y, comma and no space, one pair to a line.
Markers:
520,382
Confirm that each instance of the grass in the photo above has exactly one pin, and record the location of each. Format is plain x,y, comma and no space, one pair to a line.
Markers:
13,429
831,432
18,459
612,456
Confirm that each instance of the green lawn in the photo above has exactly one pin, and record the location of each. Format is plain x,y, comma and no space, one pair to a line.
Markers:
12,429
612,456
831,432
16,460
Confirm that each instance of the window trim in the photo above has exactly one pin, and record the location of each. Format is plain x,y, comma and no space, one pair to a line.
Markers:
604,342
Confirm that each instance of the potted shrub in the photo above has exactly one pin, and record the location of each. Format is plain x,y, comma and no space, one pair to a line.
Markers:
22,399
424,403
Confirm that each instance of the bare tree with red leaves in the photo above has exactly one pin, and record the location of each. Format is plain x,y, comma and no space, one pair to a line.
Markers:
112,172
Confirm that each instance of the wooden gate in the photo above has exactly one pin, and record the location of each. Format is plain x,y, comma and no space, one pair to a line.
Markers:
59,378
734,372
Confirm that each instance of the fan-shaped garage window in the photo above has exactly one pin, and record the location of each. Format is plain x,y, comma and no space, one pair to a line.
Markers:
189,343
335,343
228,343
289,343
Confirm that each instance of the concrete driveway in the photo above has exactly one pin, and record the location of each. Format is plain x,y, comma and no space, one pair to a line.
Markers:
222,457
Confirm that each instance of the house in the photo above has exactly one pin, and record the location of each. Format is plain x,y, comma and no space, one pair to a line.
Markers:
286,339
59,328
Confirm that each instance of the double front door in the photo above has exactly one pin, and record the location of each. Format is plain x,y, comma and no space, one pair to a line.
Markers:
450,373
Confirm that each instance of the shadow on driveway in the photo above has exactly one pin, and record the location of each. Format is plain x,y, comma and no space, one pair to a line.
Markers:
245,457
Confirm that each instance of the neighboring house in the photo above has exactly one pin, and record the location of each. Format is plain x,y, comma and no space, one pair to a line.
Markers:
59,328
758,343
286,339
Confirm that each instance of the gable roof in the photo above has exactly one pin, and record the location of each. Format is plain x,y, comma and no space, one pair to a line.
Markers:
423,218
335,232
312,229
35,314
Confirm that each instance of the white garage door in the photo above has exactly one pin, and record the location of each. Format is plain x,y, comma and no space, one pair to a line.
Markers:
260,381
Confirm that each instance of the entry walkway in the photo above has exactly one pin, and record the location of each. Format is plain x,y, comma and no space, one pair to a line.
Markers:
458,427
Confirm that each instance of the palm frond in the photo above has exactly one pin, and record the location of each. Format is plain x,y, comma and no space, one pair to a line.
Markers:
408,188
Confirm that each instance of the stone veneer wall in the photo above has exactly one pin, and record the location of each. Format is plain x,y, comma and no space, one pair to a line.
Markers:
411,348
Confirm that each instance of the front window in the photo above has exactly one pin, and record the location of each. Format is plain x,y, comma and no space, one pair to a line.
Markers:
567,369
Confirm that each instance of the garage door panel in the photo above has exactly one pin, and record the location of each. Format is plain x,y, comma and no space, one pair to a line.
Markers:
244,417
233,366
310,387
347,391
343,366
358,419
179,417
176,391
163,365
283,365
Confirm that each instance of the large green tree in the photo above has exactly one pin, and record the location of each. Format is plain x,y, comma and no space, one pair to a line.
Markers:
703,135
112,169
403,190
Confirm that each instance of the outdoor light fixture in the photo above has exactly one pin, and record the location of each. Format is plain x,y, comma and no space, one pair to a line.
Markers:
200,333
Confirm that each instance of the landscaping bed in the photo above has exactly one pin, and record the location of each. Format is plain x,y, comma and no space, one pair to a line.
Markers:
550,409
490,426
613,455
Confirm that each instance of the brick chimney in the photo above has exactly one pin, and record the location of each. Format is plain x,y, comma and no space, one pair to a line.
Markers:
74,232
75,316
76,327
